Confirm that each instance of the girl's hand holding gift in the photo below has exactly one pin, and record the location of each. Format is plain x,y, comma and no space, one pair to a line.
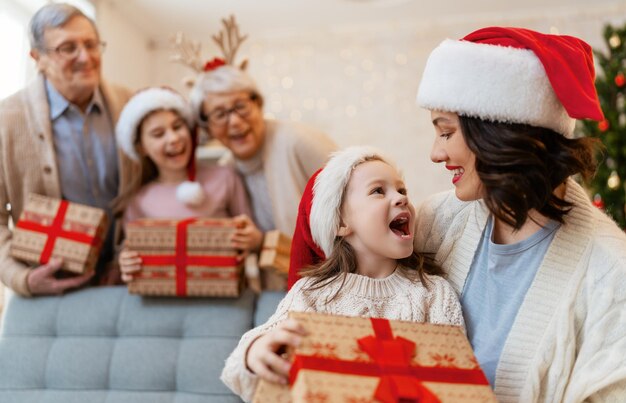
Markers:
264,355
130,263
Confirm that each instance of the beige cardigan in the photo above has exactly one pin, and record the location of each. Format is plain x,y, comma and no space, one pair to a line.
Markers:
28,162
291,154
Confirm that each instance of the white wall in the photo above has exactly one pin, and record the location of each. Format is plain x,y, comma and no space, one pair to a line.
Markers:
128,59
358,83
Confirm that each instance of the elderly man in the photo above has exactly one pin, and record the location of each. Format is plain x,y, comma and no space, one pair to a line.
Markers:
57,139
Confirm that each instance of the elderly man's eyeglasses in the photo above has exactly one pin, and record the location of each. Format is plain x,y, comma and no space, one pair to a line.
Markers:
243,108
71,50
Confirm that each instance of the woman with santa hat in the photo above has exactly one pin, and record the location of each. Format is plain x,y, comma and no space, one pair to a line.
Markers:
539,270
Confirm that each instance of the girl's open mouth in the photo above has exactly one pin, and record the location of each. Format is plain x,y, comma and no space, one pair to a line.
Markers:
400,225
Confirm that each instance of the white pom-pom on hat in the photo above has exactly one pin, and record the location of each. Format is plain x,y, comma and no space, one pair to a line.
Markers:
190,193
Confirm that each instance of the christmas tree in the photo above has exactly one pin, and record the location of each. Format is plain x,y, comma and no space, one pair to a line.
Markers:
608,185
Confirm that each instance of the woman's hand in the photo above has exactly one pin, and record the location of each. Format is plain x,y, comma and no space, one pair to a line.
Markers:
247,237
130,263
263,356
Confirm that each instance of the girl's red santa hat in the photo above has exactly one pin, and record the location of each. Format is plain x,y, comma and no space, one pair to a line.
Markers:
143,103
319,214
513,75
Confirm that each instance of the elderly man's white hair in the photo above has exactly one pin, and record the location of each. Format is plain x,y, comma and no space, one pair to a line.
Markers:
53,15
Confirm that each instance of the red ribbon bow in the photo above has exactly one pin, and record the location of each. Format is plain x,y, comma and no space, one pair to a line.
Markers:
399,380
213,64
393,356
55,230
181,260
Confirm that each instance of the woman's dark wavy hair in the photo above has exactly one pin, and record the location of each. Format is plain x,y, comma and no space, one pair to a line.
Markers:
342,261
519,167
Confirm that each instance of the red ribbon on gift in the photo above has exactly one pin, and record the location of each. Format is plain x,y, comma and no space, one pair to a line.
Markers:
399,380
55,230
181,260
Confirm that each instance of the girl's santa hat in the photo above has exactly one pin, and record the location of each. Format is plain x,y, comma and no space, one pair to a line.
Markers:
319,214
142,104
513,75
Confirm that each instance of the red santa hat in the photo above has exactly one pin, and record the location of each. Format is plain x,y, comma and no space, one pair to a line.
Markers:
304,251
513,75
143,103
319,213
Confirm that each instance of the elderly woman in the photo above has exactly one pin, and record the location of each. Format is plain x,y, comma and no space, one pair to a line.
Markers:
274,158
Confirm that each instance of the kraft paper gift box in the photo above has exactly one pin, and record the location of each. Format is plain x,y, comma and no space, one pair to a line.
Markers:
347,359
49,227
276,251
274,261
185,258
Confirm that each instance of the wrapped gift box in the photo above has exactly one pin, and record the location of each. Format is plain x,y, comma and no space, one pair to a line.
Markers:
51,227
276,251
346,359
191,257
274,261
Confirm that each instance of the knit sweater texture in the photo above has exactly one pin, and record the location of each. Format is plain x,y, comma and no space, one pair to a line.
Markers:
394,297
568,341
28,163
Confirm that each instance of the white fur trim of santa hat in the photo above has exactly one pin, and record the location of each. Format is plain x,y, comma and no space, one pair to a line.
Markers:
139,106
328,192
492,82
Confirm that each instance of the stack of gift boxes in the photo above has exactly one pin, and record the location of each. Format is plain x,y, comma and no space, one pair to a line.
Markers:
274,261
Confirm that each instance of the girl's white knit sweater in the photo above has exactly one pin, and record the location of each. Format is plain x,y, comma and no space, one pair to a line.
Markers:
568,341
393,297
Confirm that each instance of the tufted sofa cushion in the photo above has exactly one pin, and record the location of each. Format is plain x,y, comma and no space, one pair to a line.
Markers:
104,345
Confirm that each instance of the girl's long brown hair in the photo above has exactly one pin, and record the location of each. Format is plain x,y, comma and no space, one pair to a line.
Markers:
343,260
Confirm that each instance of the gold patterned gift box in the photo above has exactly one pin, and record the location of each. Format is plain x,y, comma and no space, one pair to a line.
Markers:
185,258
50,227
276,252
274,261
358,360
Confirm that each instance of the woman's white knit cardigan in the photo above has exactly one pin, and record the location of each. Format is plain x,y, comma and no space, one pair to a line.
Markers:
568,341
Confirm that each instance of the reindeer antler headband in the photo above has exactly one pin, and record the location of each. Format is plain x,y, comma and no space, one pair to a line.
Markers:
228,39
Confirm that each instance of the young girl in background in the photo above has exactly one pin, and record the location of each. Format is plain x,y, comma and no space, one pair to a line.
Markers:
362,219
156,129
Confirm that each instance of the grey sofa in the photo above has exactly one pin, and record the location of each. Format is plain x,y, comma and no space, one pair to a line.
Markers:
104,345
